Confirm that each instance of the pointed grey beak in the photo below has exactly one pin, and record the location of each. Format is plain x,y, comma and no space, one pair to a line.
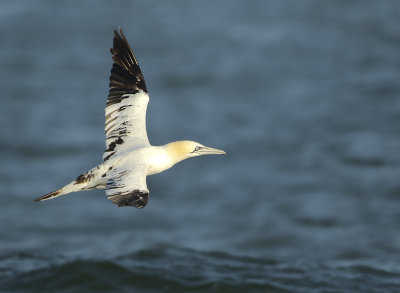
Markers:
210,151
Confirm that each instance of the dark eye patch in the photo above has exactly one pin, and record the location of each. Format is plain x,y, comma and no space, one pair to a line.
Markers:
197,148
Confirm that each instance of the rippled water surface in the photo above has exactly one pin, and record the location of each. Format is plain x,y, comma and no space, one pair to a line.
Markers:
304,97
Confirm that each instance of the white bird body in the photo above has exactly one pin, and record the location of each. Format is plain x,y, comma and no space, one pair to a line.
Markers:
156,159
129,157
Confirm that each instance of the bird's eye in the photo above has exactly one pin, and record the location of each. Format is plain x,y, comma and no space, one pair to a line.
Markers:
197,148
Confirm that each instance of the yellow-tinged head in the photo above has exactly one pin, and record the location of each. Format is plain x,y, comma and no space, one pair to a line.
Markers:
181,150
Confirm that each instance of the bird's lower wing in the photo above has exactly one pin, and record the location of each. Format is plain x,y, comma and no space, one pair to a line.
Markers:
126,185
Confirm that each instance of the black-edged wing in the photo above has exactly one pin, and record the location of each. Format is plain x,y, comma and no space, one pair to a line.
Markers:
125,124
126,185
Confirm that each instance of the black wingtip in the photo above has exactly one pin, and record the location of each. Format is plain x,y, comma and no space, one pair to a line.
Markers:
119,33
126,76
136,198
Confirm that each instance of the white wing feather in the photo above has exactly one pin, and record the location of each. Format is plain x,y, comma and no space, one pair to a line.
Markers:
126,185
126,124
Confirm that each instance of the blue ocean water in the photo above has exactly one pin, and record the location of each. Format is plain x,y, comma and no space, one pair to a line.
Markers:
303,96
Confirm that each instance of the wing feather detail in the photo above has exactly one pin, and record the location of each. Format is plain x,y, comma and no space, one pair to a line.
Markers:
126,186
125,123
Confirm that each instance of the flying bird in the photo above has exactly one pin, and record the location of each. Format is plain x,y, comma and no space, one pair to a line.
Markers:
129,157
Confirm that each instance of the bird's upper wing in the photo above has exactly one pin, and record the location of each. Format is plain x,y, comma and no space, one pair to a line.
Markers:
126,185
127,101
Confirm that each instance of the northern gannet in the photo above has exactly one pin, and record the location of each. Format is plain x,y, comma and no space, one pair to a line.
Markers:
129,156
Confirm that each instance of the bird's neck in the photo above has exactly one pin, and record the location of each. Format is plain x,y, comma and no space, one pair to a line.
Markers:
161,158
176,151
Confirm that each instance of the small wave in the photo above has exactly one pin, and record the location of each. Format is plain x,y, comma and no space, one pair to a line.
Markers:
150,270
171,269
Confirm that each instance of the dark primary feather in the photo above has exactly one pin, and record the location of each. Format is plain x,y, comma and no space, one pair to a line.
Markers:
126,76
136,198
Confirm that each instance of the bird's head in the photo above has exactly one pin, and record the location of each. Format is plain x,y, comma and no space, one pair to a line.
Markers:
181,150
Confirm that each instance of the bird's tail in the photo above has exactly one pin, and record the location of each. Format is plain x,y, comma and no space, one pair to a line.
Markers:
86,181
50,195
71,187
